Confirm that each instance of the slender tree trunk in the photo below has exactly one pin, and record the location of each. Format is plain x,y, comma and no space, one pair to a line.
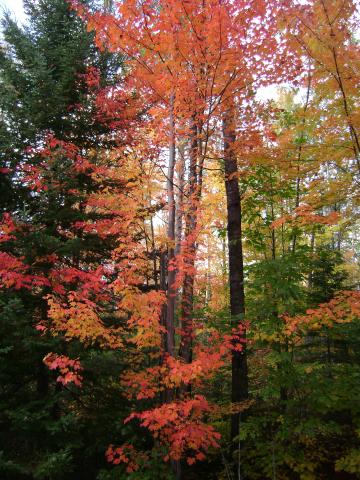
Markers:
162,285
312,251
208,289
299,155
180,198
273,236
171,274
239,370
224,259
179,207
155,271
187,303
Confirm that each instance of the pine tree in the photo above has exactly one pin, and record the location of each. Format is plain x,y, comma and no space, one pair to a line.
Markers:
48,119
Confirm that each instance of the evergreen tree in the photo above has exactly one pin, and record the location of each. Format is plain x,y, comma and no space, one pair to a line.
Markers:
49,432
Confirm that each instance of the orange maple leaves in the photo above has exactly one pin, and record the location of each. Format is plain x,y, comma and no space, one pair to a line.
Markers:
304,215
69,369
343,308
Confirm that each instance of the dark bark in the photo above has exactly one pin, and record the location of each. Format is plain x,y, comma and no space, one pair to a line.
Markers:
239,370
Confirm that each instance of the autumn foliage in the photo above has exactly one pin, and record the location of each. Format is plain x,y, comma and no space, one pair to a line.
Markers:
185,248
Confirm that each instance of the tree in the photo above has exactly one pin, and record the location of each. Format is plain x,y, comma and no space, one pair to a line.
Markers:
142,209
49,72
191,88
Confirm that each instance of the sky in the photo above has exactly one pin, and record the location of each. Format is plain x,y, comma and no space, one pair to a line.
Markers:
15,6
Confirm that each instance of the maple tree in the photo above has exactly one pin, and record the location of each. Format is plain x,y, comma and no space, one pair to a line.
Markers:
157,66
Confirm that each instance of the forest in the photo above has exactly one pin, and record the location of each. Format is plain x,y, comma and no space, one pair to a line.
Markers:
180,240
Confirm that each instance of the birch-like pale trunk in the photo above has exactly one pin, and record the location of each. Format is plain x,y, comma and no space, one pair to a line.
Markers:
180,198
171,274
187,301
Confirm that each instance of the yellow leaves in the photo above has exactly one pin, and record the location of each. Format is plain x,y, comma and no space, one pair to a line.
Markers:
275,337
76,317
349,463
237,407
143,311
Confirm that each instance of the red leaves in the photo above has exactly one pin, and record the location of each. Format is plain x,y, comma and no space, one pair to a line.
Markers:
236,341
76,304
69,369
87,282
7,228
179,427
125,454
39,175
92,77
175,373
13,274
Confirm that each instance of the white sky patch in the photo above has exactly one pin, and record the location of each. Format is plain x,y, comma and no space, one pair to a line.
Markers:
270,92
15,7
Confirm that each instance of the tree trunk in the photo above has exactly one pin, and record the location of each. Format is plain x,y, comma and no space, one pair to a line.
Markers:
187,302
299,155
239,371
180,198
171,274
